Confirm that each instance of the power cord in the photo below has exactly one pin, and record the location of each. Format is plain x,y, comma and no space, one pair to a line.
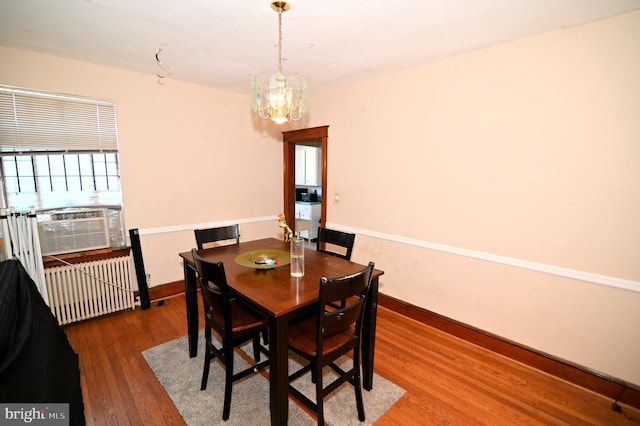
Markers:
618,408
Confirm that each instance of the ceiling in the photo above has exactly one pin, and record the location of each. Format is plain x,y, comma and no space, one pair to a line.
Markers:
223,43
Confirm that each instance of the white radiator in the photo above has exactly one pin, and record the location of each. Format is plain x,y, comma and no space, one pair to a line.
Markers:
86,290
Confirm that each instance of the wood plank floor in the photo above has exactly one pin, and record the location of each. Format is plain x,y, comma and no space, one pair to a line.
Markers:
448,381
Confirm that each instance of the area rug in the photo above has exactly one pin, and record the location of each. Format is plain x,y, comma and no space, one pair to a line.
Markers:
180,376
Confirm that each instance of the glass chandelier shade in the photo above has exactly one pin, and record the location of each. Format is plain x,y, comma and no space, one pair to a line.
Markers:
280,98
276,96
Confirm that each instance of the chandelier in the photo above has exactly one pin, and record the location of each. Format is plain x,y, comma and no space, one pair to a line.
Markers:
275,96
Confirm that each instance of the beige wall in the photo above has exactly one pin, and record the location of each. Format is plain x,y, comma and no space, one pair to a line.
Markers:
190,154
482,185
524,154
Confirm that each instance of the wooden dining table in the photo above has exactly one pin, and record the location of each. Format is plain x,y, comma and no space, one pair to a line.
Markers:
280,297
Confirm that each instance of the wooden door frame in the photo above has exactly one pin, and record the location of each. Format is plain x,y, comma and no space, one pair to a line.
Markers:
299,137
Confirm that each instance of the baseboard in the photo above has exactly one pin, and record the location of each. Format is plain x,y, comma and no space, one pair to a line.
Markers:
166,290
603,384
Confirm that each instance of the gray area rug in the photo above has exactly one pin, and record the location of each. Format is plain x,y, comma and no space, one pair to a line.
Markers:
181,375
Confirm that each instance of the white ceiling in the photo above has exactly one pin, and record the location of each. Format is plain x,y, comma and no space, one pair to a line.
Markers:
222,43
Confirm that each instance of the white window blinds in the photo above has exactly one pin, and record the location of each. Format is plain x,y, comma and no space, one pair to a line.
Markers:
33,121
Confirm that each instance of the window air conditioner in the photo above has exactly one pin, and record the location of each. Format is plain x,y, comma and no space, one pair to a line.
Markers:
68,231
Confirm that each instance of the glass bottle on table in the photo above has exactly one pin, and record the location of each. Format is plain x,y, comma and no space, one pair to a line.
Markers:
297,255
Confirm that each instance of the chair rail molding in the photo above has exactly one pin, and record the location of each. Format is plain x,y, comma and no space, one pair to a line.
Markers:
191,227
504,260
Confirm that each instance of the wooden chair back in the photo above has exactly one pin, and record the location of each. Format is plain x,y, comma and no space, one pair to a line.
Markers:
352,289
216,296
211,235
328,238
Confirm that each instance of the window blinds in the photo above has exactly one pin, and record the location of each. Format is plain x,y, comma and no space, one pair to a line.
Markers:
33,121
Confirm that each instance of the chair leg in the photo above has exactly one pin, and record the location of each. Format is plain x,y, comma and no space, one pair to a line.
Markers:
317,372
265,337
228,381
357,384
359,402
256,348
205,370
207,359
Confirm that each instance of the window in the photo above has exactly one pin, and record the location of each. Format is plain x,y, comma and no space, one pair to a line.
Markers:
42,181
59,152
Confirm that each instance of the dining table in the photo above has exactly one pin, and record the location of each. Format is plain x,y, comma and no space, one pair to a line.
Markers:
272,291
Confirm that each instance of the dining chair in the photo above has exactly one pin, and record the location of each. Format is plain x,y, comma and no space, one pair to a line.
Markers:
233,321
335,243
341,243
211,235
223,233
325,337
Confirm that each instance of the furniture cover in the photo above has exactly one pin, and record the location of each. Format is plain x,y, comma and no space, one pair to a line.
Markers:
37,363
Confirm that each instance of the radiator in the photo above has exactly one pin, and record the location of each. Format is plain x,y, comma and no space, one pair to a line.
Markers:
87,290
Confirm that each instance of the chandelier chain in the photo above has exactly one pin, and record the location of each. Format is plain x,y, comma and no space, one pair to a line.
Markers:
280,39
274,96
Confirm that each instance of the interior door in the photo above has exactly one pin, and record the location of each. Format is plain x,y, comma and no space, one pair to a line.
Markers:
316,136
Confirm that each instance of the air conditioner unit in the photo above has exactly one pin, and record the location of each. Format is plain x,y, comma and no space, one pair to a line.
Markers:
68,231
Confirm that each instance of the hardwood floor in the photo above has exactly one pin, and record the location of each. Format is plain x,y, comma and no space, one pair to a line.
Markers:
448,380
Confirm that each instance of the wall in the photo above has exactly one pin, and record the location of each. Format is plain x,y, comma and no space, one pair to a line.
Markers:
489,184
190,155
500,188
